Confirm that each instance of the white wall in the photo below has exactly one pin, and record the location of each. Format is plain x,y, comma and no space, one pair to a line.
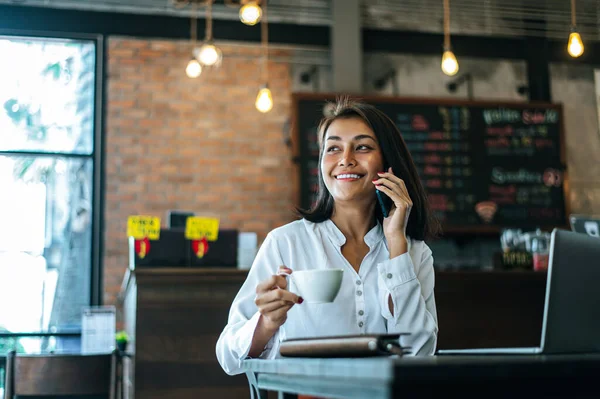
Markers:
421,76
573,86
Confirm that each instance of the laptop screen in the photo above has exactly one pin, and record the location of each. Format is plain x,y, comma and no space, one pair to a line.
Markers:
572,296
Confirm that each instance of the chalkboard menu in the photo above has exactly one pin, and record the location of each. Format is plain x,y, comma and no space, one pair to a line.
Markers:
484,165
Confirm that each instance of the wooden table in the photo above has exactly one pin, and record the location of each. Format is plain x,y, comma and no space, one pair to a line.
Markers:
568,376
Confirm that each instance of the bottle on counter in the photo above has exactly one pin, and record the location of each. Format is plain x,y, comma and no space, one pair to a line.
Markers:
540,248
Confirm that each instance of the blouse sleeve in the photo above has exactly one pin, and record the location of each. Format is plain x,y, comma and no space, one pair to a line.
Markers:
235,340
412,291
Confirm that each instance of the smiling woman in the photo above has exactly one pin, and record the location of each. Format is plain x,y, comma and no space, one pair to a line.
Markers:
379,135
388,278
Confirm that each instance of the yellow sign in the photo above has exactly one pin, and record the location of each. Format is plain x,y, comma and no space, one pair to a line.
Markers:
198,227
140,227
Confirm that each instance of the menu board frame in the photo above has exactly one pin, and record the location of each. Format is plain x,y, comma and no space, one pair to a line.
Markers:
301,156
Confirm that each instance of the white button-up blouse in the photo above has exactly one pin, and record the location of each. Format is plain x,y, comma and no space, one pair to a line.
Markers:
361,306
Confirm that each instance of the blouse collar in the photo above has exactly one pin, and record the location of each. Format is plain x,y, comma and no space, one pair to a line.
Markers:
372,238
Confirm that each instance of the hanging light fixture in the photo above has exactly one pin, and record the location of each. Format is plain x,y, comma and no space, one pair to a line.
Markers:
193,69
250,12
449,62
209,54
264,99
575,45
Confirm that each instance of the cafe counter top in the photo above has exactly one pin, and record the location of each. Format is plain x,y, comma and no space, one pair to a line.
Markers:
569,376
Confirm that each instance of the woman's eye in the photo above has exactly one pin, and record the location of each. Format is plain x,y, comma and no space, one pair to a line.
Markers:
360,147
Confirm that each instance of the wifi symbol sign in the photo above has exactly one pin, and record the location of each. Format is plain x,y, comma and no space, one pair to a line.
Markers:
486,210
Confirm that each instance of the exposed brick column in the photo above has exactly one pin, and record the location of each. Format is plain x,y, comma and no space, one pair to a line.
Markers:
192,144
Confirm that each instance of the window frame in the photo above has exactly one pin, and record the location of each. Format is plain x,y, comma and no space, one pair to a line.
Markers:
97,157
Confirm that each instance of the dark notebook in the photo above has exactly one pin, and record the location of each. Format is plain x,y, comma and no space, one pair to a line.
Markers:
345,346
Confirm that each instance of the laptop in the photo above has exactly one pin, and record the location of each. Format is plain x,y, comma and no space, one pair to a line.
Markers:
571,323
585,224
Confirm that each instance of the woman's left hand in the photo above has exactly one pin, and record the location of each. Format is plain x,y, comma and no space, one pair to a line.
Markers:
394,226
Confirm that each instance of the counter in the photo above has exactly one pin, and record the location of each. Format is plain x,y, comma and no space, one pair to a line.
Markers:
175,316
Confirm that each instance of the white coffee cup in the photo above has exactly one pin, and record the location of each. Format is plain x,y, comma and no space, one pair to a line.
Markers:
317,285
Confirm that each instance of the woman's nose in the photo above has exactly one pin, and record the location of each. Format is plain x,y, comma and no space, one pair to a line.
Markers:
347,158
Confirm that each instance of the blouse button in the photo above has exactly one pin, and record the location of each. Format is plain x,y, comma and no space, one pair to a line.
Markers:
361,312
358,282
359,293
361,324
389,275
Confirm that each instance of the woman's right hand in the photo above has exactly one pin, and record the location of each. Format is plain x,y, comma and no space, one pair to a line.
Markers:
274,300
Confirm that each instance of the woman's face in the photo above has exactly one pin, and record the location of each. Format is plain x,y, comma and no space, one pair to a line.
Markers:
351,159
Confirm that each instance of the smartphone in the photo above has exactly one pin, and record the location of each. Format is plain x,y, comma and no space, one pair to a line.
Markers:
385,202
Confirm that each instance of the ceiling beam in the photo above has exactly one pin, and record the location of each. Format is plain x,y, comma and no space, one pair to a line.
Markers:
44,19
41,19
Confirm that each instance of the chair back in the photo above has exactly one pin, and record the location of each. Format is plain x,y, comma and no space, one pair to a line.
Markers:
60,375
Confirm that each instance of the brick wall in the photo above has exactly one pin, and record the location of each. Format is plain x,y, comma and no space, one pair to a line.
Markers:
192,144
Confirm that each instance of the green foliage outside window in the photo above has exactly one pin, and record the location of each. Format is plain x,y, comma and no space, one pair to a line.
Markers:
9,343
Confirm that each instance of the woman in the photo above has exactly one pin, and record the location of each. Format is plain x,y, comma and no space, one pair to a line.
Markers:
388,283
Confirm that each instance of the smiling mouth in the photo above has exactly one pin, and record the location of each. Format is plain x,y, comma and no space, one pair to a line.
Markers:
348,176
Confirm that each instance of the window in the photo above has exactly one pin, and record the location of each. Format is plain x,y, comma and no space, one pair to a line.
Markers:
49,189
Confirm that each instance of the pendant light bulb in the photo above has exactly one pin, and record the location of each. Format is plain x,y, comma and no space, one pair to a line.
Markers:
264,100
449,63
575,46
193,69
209,55
250,13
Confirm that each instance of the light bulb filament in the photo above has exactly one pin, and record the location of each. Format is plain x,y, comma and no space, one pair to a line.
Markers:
264,100
449,63
209,55
193,69
575,46
250,13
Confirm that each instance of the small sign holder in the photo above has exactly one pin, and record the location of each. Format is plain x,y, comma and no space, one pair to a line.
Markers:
98,329
143,229
201,230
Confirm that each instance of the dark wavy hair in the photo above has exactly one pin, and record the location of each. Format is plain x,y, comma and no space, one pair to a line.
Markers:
422,224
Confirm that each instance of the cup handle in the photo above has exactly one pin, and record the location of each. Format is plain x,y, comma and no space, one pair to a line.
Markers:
287,276
284,274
